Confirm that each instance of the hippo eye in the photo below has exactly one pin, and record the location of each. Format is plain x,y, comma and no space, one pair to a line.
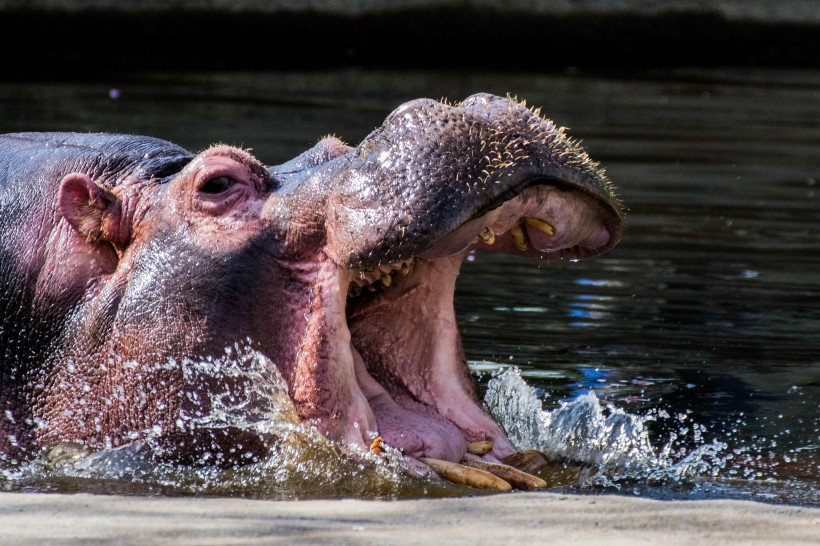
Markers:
217,185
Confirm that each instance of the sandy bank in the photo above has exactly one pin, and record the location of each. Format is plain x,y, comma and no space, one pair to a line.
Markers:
519,518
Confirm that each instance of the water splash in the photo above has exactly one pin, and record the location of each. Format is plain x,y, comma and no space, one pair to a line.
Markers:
618,449
253,400
583,430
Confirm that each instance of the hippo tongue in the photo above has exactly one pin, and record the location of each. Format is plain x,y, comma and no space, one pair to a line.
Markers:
406,424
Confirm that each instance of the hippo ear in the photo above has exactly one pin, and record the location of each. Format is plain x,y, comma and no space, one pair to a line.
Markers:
94,212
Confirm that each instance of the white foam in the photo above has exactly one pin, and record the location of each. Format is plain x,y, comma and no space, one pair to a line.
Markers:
585,431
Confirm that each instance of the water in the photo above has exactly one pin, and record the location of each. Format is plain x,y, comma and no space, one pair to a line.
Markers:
683,364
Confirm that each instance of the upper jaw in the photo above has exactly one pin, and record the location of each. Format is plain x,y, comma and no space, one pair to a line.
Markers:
543,221
431,168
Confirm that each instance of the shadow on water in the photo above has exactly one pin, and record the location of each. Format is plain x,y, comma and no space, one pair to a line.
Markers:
683,364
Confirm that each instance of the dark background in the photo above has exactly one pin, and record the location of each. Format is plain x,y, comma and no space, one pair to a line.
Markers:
78,39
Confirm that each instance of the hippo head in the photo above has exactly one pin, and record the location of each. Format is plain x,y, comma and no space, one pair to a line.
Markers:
339,266
393,219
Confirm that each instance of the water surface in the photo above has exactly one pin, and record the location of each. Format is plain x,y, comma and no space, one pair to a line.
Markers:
693,347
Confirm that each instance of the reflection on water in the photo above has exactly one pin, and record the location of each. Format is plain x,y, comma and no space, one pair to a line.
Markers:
699,334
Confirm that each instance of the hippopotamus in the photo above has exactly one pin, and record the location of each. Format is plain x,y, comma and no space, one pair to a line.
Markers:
122,255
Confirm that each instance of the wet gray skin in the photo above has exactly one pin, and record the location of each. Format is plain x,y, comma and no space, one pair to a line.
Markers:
338,266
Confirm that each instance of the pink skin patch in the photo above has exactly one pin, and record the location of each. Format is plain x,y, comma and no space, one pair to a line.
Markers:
408,339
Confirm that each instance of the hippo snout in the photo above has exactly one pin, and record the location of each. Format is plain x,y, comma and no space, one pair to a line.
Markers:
434,167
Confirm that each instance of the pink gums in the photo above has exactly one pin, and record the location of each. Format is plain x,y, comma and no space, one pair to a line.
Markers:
408,339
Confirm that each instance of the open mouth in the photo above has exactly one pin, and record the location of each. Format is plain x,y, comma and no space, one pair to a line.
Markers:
405,343
434,182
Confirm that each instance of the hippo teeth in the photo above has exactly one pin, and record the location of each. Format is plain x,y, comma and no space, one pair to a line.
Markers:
521,234
515,477
487,236
541,225
465,475
519,238
480,448
481,474
406,268
379,278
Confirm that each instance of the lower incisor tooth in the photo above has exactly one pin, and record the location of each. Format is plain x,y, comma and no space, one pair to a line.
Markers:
519,238
528,461
456,473
517,478
541,225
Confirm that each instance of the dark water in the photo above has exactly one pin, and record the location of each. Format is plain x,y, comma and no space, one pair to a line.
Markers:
699,336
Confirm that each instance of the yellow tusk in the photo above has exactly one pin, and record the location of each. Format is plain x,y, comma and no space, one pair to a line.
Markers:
517,478
541,225
456,473
487,236
377,447
519,238
529,461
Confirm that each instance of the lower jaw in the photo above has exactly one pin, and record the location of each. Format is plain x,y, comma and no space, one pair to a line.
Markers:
423,400
406,424
390,363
